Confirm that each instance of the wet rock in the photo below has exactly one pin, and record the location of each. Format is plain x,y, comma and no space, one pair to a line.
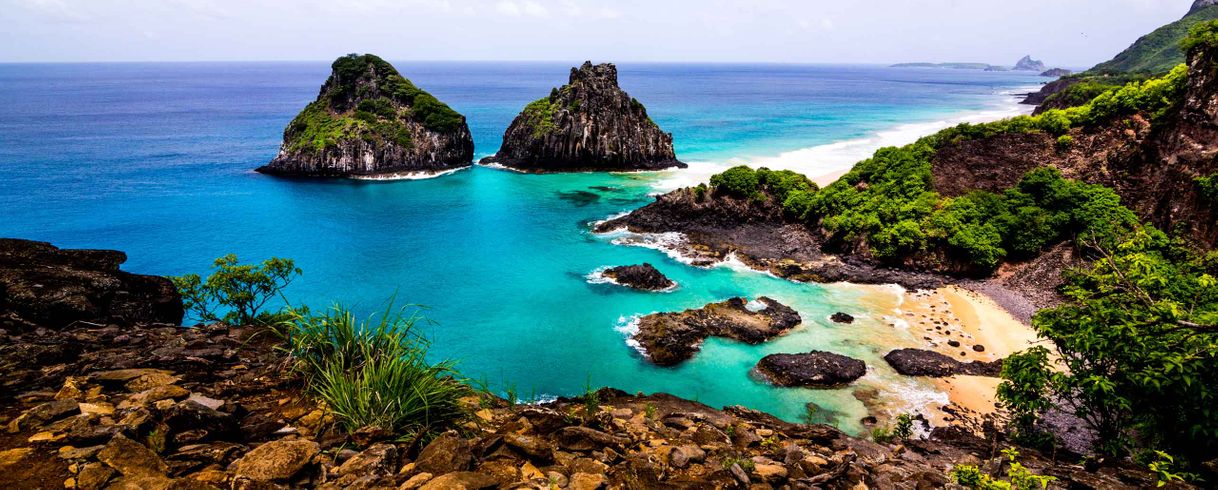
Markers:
54,287
918,362
276,460
840,317
814,369
645,277
588,124
445,454
131,458
670,338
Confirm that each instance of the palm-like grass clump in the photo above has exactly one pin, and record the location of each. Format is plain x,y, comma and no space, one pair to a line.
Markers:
373,373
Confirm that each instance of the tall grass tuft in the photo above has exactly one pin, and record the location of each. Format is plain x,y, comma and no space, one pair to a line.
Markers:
373,373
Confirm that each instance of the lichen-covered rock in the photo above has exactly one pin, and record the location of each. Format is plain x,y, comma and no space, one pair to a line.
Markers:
670,338
815,369
52,287
588,124
370,121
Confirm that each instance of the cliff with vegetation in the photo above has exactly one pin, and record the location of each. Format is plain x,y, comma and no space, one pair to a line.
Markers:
1103,215
590,124
371,121
295,399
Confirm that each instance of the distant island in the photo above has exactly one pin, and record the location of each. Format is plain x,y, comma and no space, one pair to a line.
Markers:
1024,64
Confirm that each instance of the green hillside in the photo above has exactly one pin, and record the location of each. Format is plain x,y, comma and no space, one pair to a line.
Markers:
1158,51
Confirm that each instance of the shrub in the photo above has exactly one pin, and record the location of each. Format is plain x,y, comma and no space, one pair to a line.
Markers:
1065,142
904,427
373,373
1018,476
1024,392
1201,35
738,181
1208,186
236,293
539,116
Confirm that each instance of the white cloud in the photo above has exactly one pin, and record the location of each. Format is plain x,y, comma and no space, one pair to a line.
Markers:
528,7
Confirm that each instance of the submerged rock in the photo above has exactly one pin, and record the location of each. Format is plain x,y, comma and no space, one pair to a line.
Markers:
669,338
918,362
371,121
816,369
52,287
588,124
644,277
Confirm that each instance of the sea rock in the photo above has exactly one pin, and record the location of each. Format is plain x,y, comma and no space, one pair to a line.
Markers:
588,124
919,362
814,369
1028,64
645,277
52,287
275,460
840,317
670,338
1055,72
370,121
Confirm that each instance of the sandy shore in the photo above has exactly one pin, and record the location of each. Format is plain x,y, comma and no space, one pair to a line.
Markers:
967,326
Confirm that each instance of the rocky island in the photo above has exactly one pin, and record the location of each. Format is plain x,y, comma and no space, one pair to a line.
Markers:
670,338
371,122
645,277
817,369
1028,64
590,124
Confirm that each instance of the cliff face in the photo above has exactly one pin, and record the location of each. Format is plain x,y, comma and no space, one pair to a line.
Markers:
588,124
368,120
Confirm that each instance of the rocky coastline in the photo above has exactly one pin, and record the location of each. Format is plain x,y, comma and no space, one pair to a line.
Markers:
116,402
589,124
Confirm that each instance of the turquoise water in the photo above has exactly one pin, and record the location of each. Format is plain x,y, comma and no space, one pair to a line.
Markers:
155,159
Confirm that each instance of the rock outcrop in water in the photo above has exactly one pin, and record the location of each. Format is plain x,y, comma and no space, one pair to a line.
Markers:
812,369
1028,64
920,362
670,338
590,124
45,286
369,121
645,277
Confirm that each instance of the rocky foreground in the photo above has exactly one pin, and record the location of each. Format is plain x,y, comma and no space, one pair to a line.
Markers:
110,400
589,124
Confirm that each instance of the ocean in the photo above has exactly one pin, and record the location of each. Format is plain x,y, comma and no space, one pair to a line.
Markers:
156,159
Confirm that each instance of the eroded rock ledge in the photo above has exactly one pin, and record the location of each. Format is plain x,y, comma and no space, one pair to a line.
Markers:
645,277
590,124
670,338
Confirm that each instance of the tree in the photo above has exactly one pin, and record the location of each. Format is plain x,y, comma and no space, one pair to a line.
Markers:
241,291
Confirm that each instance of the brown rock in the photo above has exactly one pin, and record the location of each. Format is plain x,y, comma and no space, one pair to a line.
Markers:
131,458
587,439
93,476
535,447
461,480
276,460
377,460
588,481
445,454
415,481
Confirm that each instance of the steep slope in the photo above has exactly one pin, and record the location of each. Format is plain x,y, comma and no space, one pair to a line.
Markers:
368,120
588,124
1158,51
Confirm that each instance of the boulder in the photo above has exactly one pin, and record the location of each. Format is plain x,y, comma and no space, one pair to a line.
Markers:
461,480
386,126
445,454
588,124
276,460
131,458
812,369
919,362
645,277
670,338
840,317
207,423
43,285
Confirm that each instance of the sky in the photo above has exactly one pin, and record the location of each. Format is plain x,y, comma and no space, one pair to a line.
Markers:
1068,33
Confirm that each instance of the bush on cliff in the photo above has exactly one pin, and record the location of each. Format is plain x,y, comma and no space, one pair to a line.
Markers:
743,182
236,293
374,373
1138,350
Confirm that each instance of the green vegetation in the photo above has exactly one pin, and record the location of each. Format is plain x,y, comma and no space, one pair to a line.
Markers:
1137,341
1158,51
539,115
236,293
1201,35
1208,186
1087,88
387,101
901,430
1026,377
1018,477
373,373
744,182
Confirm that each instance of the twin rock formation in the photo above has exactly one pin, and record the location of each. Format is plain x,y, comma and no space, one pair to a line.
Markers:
369,121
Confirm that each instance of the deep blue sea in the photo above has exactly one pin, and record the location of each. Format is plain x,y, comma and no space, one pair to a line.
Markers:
156,159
